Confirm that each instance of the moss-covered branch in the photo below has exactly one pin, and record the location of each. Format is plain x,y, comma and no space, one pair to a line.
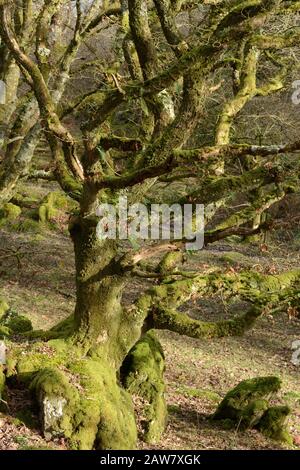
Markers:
170,319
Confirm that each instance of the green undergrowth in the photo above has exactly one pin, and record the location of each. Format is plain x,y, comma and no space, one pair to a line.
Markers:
192,392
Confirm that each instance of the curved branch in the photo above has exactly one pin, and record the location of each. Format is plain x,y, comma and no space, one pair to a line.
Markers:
172,320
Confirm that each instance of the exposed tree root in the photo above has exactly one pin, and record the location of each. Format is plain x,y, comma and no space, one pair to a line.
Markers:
79,397
142,374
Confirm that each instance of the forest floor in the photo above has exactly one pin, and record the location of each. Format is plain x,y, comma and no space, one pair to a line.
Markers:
37,279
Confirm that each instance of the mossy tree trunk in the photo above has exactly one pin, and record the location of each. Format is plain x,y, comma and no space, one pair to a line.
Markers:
76,379
103,327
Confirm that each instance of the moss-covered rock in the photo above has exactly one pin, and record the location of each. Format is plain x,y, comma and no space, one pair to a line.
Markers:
54,392
9,212
252,413
83,402
273,424
247,406
242,403
15,323
142,375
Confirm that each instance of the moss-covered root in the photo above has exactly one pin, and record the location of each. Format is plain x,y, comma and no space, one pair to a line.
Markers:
142,375
245,404
273,424
83,403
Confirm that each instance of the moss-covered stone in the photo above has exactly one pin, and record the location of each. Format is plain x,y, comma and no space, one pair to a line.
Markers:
9,212
79,397
242,404
252,413
26,225
142,375
54,392
4,331
273,424
15,323
247,406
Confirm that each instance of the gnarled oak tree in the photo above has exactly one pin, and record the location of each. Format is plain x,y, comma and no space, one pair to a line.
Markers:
85,370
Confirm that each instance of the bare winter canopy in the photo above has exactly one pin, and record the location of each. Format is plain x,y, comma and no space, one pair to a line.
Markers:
142,99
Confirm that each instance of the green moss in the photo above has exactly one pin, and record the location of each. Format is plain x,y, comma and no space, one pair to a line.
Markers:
79,398
60,331
52,204
199,393
174,409
9,212
4,331
54,392
15,323
273,424
26,360
247,406
64,328
117,427
142,375
2,383
241,403
170,262
181,323
3,306
233,258
252,413
26,416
